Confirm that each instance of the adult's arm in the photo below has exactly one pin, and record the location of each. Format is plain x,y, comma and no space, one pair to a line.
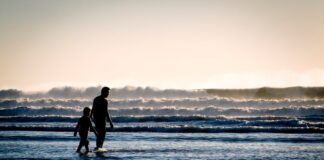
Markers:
109,120
92,128
93,109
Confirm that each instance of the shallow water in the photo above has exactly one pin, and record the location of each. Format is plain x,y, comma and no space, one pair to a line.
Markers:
147,145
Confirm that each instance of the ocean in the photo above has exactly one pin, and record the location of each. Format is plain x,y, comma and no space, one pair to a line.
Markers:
163,124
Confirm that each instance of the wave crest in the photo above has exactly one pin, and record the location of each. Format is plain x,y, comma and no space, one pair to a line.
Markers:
205,111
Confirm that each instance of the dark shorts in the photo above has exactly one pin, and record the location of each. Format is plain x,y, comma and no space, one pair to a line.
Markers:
100,124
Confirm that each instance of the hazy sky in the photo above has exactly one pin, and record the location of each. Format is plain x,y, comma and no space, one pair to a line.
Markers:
161,43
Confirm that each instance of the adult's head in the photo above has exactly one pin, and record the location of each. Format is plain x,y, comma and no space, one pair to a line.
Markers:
105,91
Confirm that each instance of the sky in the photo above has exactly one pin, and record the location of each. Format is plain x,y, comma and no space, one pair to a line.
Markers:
183,44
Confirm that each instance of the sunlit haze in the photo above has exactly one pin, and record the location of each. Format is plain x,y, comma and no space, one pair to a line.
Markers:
161,43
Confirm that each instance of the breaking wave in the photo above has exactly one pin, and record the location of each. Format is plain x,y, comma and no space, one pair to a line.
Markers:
161,102
90,92
207,111
136,109
308,121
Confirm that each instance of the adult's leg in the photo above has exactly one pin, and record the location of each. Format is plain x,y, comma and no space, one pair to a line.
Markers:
101,129
103,136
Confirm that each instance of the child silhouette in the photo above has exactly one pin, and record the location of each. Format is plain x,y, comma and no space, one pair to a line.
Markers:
83,126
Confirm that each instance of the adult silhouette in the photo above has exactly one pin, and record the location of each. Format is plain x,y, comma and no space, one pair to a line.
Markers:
100,115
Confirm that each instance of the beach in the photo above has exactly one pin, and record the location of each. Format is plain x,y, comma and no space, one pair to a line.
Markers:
164,124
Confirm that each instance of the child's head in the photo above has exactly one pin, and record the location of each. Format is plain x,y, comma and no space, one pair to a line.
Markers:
86,111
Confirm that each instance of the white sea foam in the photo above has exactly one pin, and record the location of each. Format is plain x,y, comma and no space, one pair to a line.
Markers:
162,102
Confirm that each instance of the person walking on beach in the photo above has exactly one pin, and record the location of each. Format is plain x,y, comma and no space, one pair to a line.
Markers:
100,115
83,126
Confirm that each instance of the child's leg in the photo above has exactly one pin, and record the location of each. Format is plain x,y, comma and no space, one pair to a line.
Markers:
87,145
80,146
83,141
